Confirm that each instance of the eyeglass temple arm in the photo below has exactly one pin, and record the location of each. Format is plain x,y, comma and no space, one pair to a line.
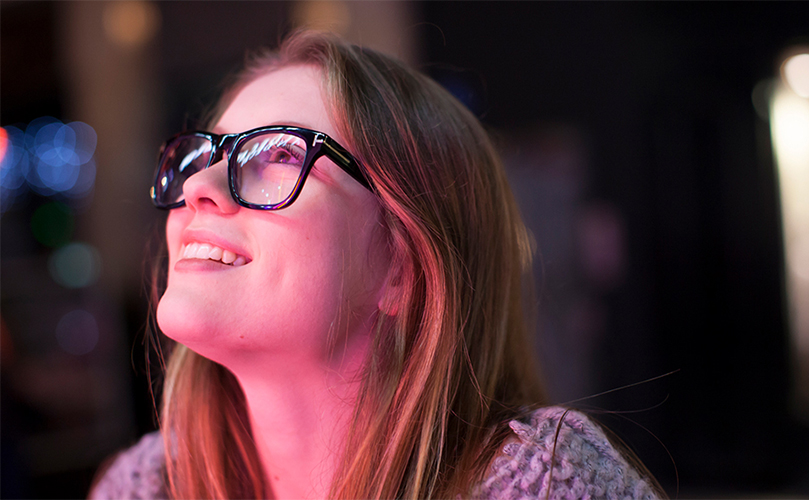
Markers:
349,164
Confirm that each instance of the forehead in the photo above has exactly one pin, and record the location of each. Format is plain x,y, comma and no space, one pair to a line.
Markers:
292,95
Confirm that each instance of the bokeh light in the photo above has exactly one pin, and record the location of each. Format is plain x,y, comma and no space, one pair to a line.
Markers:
131,23
790,130
50,157
52,224
322,15
77,332
59,150
796,74
13,167
75,265
3,143
798,256
789,123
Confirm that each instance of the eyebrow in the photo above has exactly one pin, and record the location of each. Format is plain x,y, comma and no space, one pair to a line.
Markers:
288,123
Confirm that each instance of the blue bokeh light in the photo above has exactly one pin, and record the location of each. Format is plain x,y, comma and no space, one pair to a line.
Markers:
51,158
13,167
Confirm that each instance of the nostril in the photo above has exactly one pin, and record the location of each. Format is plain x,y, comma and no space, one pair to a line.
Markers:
204,201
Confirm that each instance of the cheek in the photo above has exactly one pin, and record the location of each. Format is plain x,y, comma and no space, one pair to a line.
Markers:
177,220
309,277
304,270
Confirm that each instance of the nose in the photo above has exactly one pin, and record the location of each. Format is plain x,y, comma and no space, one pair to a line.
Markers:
208,190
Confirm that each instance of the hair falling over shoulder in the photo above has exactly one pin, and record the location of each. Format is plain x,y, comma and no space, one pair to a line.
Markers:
452,359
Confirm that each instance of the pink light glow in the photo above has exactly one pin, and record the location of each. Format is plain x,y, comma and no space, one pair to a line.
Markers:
3,144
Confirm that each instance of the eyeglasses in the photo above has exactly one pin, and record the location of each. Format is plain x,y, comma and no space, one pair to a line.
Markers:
267,166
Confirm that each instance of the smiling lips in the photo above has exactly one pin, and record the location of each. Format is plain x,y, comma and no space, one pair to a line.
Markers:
206,251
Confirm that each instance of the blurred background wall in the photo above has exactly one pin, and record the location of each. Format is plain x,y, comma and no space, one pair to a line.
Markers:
655,149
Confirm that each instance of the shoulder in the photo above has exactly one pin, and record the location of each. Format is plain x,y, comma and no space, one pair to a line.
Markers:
585,464
137,472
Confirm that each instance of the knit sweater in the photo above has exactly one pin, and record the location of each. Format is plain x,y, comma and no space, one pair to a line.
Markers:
585,465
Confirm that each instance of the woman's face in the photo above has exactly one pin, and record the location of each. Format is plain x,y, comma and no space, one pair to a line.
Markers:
313,269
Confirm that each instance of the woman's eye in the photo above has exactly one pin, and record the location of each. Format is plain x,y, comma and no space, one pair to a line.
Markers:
278,149
285,155
282,156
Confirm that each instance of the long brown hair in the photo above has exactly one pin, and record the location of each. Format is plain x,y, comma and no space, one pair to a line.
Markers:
451,362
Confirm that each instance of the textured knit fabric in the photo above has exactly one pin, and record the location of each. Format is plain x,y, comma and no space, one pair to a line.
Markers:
585,465
137,473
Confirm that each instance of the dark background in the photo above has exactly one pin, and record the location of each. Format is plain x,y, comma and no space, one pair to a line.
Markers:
626,126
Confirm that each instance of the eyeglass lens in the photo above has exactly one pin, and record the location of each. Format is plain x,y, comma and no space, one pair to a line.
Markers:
266,168
182,158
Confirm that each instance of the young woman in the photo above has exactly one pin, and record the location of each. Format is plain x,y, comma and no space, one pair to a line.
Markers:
345,276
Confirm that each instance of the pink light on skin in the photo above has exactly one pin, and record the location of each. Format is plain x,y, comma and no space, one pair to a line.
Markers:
294,322
303,264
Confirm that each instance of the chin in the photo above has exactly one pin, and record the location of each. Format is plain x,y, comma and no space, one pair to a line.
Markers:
189,320
184,320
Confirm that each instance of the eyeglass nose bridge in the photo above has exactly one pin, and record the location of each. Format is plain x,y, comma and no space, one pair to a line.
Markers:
223,146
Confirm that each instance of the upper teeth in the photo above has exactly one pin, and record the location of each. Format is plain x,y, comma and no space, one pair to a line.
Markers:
208,251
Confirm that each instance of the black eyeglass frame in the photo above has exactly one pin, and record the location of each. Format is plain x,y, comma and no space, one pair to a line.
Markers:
318,144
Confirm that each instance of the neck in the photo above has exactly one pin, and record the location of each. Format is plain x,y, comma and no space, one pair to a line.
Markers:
300,413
